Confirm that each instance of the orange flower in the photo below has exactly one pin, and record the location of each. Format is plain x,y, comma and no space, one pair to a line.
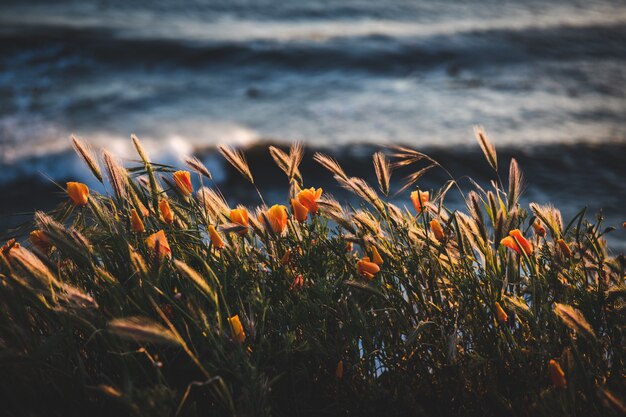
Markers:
182,179
349,246
300,212
308,198
40,240
376,258
135,222
240,216
557,376
339,370
501,314
437,230
236,328
157,242
286,258
78,192
277,218
166,211
510,242
367,268
538,228
216,239
565,250
419,199
298,282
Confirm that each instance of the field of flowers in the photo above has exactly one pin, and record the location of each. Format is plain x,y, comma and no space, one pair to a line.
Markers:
160,299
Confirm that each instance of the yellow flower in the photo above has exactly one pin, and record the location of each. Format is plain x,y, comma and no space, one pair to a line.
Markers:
308,198
277,218
339,370
236,328
437,230
557,376
157,243
367,268
240,216
40,240
419,199
182,179
300,211
166,211
78,192
501,314
376,258
510,242
135,222
216,239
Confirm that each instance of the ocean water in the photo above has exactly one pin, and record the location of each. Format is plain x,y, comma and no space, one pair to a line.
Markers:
541,76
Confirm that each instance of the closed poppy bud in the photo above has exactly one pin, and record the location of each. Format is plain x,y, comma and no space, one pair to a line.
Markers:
240,216
166,211
286,258
216,239
565,250
437,230
510,242
557,376
300,212
182,179
277,218
136,224
349,246
419,199
376,258
538,228
339,370
501,314
40,240
367,268
308,198
298,282
157,242
78,192
236,328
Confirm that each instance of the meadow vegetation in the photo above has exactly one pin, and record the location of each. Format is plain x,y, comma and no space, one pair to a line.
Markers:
159,299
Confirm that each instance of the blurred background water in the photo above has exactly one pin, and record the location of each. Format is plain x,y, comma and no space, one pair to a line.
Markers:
546,78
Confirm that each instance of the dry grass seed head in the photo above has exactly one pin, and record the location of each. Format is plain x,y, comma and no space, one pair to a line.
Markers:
237,160
87,154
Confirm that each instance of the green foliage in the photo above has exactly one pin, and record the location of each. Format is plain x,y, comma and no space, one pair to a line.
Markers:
97,320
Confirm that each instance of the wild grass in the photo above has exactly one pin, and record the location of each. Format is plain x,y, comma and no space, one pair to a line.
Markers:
151,301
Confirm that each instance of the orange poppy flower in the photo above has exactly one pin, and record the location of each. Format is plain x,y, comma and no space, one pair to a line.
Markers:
216,239
557,376
539,229
308,198
419,199
376,258
298,282
300,212
510,242
182,179
565,250
157,242
78,192
240,216
339,370
136,224
367,268
166,211
277,218
236,328
501,314
437,230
